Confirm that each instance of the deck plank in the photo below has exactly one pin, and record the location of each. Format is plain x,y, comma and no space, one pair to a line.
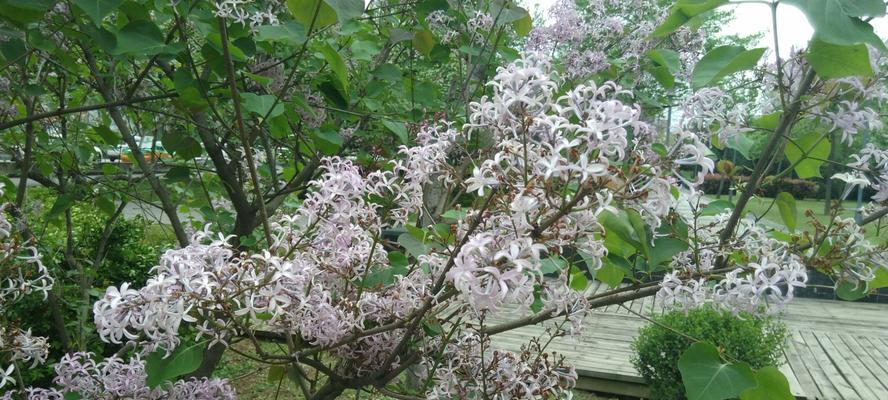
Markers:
831,353
842,362
803,378
857,366
834,376
875,363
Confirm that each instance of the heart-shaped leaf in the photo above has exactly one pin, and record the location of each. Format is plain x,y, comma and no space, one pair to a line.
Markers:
723,61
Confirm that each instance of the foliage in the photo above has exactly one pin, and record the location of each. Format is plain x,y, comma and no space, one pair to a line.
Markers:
757,341
364,178
799,188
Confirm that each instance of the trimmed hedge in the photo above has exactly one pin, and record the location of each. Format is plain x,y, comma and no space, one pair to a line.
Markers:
758,341
799,188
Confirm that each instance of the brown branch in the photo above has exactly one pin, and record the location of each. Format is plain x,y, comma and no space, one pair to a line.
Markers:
242,131
768,152
169,207
75,110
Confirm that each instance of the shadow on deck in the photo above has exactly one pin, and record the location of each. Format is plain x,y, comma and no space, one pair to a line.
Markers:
836,350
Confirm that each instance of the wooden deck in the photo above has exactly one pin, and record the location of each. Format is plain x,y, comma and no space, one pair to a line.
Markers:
836,350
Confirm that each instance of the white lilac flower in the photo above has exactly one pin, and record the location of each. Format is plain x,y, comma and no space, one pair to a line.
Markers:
850,118
114,378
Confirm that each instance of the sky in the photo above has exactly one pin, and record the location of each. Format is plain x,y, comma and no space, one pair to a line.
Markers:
793,29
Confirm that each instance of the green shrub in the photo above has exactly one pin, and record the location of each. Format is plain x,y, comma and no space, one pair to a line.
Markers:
758,341
133,248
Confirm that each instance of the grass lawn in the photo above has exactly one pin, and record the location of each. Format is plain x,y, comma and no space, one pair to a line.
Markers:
876,232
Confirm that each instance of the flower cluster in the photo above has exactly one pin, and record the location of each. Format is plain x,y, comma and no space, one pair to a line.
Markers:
764,283
468,373
330,274
313,112
481,21
246,13
849,118
711,109
869,161
113,378
22,273
543,145
584,38
440,23
847,252
304,283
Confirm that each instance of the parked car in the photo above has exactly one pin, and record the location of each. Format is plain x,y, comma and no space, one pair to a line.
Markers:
151,150
114,153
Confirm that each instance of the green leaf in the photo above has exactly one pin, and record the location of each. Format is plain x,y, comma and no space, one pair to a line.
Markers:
184,360
788,212
640,231
141,38
838,61
72,396
333,92
663,76
809,151
262,105
705,377
106,204
770,385
610,273
851,291
864,8
618,234
25,11
723,61
346,9
413,245
364,50
178,173
61,204
683,11
399,129
388,72
427,6
523,25
767,121
664,249
578,280
836,24
881,279
303,12
182,145
97,10
189,92
275,373
290,32
664,65
214,40
742,143
537,304
399,35
552,264
336,64
665,58
716,207
110,169
455,215
424,41
108,136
